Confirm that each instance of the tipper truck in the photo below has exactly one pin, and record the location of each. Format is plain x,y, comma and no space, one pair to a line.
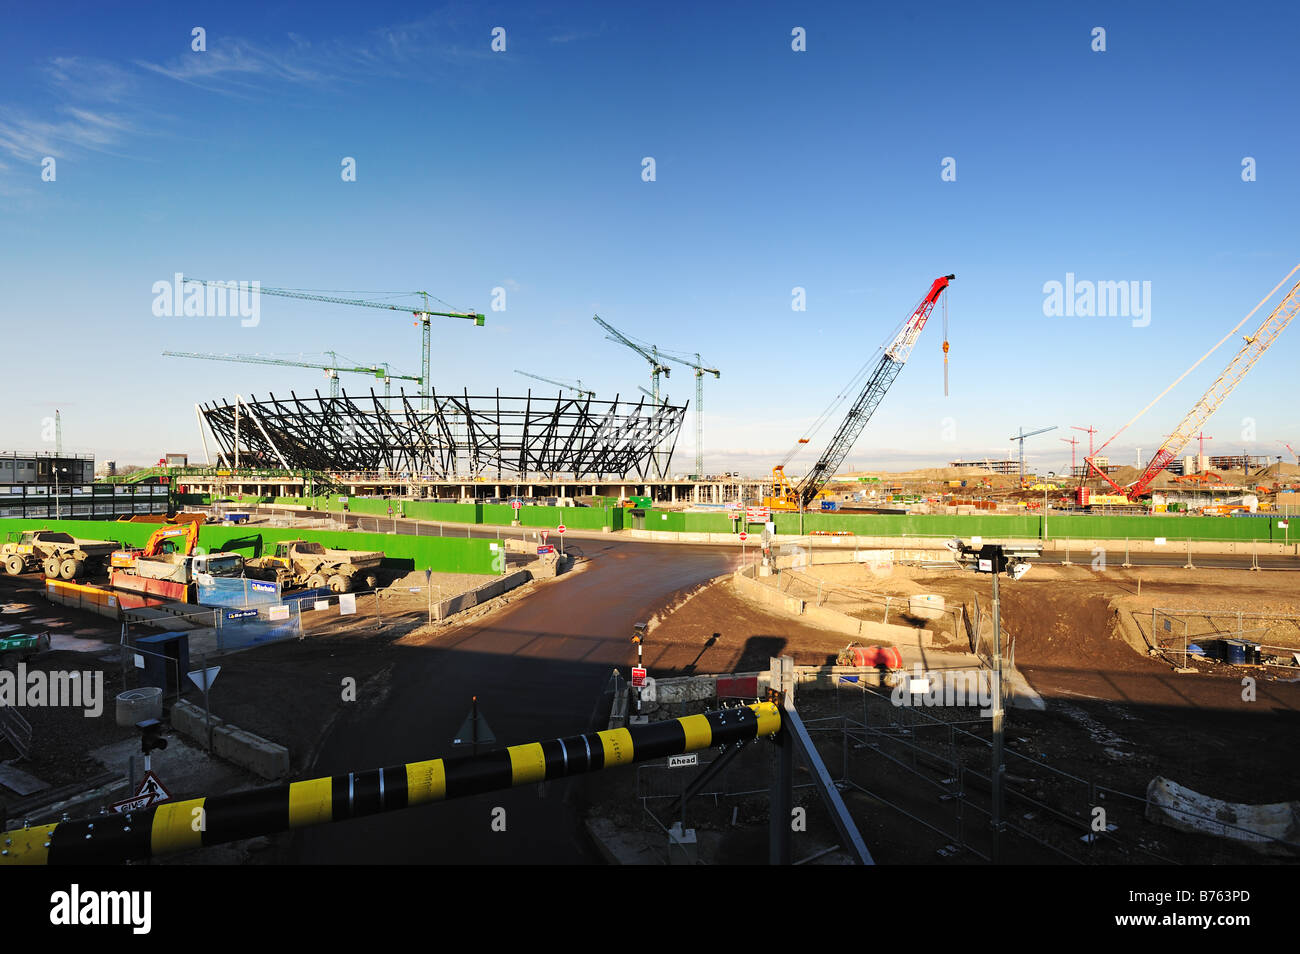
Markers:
60,555
303,563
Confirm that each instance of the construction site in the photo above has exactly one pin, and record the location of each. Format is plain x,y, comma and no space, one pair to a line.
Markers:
645,664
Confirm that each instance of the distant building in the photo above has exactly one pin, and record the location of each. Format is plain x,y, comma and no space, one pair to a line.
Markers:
1238,462
1103,464
997,466
46,467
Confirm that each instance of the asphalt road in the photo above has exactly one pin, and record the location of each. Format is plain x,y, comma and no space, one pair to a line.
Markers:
538,668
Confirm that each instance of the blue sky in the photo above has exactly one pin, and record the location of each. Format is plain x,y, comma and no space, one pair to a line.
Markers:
775,169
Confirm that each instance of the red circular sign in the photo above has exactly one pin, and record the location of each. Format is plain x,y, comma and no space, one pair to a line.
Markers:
560,529
744,537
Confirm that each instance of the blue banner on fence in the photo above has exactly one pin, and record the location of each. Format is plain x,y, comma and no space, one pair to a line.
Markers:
242,628
239,591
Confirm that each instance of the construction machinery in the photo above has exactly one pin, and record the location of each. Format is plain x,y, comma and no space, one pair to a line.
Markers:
649,352
168,566
657,367
700,371
1021,438
60,555
423,317
788,496
180,538
577,387
303,563
380,371
1252,347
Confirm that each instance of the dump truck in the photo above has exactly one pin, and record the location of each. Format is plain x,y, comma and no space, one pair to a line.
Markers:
173,575
304,563
60,555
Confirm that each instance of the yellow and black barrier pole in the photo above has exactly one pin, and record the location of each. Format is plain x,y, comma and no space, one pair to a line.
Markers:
199,822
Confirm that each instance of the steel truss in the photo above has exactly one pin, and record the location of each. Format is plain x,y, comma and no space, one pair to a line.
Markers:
460,435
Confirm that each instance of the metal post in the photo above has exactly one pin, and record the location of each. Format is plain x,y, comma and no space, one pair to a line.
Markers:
474,726
995,775
781,800
207,709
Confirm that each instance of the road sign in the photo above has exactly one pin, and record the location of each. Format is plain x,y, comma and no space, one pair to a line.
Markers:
547,548
681,761
560,529
151,792
474,730
545,534
516,503
638,676
757,514
204,678
743,536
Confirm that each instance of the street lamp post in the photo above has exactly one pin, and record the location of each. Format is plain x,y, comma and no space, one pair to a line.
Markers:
995,559
56,470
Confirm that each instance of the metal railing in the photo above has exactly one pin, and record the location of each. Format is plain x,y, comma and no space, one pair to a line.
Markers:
945,769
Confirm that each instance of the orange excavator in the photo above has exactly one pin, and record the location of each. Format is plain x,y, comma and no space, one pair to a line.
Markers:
175,538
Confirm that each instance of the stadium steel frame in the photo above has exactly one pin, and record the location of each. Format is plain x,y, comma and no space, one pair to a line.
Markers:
460,435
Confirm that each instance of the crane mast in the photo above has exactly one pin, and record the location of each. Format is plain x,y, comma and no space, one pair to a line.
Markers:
423,318
788,497
1253,346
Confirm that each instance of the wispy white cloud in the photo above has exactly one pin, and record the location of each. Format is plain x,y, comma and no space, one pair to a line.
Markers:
98,105
241,67
26,138
81,78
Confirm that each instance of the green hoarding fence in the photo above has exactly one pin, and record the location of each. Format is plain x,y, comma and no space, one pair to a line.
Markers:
497,515
440,554
995,526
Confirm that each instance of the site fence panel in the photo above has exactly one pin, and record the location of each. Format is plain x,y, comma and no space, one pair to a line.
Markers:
245,627
236,592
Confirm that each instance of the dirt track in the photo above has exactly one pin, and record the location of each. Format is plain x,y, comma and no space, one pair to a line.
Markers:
1114,711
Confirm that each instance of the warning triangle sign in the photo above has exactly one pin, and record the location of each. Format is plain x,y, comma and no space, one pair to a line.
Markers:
467,736
152,787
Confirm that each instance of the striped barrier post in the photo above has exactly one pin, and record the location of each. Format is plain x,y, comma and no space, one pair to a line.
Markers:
200,822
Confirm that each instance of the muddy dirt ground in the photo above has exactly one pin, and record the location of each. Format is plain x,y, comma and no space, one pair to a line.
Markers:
1115,715
286,691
